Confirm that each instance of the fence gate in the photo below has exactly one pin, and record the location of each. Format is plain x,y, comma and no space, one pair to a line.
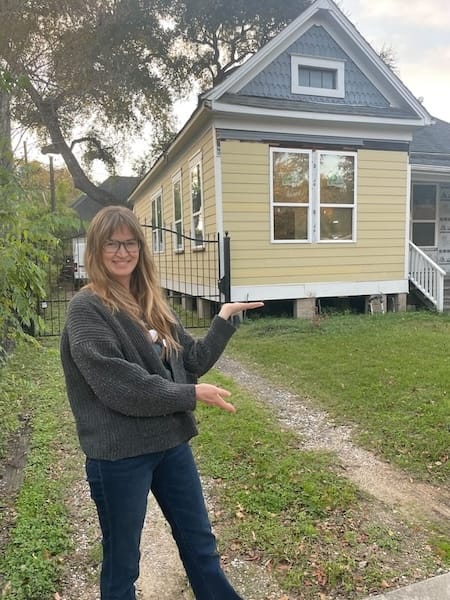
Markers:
65,276
192,272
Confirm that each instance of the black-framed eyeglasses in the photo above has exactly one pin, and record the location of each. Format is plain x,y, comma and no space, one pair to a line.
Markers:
113,246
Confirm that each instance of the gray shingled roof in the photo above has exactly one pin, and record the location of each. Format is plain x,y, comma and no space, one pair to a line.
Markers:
431,145
120,187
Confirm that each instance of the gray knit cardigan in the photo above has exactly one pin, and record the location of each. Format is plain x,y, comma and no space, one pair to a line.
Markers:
124,399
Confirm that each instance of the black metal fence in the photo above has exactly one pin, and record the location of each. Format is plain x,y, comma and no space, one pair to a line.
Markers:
194,271
195,275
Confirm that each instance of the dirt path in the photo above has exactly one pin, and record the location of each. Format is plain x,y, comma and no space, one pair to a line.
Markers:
379,479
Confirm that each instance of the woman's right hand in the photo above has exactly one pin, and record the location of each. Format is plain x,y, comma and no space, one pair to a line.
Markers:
214,396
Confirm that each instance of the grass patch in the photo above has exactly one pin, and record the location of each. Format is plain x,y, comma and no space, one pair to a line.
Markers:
39,539
387,374
291,511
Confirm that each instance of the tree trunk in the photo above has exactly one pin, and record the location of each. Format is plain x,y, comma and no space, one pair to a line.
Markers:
59,145
5,131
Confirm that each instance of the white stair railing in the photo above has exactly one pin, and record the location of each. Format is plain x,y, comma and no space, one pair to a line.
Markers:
427,276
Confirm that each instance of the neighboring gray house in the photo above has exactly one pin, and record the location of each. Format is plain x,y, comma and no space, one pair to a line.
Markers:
120,187
430,210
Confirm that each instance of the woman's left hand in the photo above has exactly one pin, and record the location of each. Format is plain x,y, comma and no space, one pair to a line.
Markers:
233,308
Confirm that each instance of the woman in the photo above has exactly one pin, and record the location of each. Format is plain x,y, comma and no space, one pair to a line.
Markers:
131,372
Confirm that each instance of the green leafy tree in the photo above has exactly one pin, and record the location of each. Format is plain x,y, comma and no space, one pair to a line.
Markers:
29,233
83,67
222,34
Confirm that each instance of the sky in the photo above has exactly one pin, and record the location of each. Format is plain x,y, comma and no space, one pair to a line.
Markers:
418,31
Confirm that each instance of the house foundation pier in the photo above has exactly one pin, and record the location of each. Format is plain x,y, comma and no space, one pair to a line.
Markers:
304,308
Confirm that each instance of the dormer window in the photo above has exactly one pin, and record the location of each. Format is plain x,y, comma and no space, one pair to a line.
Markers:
317,76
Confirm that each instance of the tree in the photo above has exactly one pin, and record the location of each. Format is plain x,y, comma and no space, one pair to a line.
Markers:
222,34
90,73
81,67
5,124
389,57
29,233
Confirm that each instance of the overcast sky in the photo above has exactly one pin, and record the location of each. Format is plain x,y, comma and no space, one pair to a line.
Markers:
419,33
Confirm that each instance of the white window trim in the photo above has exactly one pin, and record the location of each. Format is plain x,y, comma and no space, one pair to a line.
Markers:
314,197
158,247
319,205
193,163
290,204
338,66
177,179
195,159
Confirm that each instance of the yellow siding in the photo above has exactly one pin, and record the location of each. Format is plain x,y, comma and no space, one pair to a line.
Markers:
175,267
378,253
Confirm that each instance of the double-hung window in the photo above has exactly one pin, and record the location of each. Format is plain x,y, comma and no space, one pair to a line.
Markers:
336,196
291,194
157,233
197,203
313,196
177,212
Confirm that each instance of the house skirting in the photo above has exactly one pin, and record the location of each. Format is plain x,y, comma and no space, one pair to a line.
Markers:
292,291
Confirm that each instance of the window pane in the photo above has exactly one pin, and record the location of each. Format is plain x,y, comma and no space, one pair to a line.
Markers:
179,238
336,223
424,202
158,211
290,223
196,189
198,230
337,179
177,200
328,79
423,234
290,177
316,78
303,77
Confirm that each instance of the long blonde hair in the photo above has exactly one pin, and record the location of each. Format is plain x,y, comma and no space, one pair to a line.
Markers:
144,302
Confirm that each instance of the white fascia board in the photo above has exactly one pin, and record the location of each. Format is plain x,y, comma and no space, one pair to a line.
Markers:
429,174
430,168
317,290
241,110
317,128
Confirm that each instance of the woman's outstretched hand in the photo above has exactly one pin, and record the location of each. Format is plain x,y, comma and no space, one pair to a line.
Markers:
229,309
214,396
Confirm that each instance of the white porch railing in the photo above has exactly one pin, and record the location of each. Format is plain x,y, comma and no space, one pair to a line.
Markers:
427,276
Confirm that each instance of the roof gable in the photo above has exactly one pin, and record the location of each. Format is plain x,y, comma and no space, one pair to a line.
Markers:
322,30
275,80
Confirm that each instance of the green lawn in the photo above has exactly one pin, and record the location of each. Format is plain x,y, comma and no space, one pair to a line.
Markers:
389,375
32,387
285,508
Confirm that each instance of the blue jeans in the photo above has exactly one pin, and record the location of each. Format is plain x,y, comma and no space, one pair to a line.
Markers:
120,490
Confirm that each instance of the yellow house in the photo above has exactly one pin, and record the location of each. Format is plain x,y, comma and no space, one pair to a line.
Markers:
296,169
